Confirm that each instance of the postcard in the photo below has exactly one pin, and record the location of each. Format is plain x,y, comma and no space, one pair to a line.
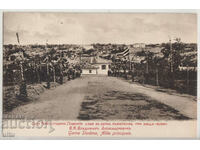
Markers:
96,75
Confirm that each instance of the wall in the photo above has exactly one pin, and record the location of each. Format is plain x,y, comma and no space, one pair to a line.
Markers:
86,71
102,71
97,71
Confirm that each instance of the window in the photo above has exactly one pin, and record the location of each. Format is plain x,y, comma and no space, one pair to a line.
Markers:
90,71
103,67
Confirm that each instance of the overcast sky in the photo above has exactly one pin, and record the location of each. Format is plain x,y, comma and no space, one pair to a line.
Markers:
87,28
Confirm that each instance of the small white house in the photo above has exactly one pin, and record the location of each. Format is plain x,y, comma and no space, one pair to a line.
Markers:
99,67
103,66
89,70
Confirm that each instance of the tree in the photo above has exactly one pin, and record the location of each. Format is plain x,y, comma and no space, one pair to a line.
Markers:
173,52
158,64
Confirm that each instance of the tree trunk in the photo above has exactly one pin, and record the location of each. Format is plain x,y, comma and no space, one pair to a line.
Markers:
157,80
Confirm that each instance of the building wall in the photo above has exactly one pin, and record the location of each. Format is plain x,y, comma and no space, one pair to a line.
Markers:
87,71
102,71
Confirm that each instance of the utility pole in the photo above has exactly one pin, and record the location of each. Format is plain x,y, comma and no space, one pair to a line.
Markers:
61,68
188,81
171,54
21,62
22,70
147,69
23,91
129,61
54,74
171,63
48,77
133,72
47,65
147,65
157,83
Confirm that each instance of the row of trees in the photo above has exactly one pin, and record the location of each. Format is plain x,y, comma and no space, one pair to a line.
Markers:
48,68
160,69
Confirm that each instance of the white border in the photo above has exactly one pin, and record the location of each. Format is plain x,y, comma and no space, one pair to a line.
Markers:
198,78
100,11
1,72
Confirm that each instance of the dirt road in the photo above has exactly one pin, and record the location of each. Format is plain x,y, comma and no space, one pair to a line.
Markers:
102,97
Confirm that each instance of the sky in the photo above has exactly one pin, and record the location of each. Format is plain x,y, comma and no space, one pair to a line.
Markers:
88,28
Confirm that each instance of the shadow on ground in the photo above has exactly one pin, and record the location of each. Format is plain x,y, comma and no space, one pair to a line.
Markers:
119,105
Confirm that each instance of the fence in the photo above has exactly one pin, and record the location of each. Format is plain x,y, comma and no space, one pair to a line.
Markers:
184,81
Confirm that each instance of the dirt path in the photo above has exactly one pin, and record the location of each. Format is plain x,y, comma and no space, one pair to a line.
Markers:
63,102
187,107
113,98
107,98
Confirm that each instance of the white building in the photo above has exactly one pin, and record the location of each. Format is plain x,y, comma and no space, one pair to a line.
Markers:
99,67
139,45
89,70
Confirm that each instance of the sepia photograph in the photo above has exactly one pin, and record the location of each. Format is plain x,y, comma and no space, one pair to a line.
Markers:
100,66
